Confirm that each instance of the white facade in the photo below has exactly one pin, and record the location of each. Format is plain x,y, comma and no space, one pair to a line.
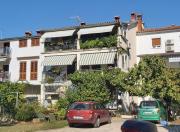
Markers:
169,44
121,61
24,54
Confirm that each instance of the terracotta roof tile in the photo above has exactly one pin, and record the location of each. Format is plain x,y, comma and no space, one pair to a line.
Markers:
172,27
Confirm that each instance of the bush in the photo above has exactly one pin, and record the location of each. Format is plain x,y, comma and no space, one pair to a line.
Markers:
61,114
25,112
62,103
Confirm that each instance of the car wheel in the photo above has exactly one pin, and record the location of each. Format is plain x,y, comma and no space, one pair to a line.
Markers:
97,123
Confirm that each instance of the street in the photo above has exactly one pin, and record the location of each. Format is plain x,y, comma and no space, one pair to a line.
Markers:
113,127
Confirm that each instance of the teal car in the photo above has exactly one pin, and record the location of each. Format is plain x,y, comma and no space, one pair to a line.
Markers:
152,111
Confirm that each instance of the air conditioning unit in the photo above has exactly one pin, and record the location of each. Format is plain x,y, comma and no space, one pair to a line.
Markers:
169,48
169,42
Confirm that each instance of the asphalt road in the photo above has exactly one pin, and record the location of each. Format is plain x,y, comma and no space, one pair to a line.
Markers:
113,127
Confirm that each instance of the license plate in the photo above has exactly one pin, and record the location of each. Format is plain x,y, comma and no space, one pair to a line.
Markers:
78,117
147,113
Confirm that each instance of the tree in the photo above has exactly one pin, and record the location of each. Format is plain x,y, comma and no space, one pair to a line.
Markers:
97,86
8,96
152,77
89,86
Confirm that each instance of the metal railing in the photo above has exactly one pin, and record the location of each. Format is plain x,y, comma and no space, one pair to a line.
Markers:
5,51
55,47
4,76
51,78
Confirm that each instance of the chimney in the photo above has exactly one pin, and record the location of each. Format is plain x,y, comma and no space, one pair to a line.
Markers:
117,19
39,33
133,17
83,24
28,34
139,23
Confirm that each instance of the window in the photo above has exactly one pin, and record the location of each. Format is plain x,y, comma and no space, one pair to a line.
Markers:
22,71
34,68
23,43
35,42
156,42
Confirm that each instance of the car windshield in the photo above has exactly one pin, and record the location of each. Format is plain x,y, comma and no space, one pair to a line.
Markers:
79,106
149,104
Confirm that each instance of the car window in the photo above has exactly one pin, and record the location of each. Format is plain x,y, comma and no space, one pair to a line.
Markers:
97,107
149,104
79,106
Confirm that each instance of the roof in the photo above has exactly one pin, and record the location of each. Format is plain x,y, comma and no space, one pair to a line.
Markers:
79,27
65,28
172,28
17,38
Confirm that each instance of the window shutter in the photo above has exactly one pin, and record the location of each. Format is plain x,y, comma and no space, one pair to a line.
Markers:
35,42
22,71
34,68
23,43
156,42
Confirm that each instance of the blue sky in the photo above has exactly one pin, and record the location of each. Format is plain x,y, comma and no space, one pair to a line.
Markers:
18,16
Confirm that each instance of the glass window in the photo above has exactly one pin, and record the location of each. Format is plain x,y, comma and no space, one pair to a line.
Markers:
149,104
79,106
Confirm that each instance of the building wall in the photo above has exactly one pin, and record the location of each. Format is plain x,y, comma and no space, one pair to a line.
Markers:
131,37
144,43
28,51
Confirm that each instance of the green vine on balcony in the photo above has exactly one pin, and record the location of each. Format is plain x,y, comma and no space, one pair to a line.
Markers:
110,41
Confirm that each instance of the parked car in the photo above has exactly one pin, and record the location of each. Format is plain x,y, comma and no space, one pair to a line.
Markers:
87,113
152,111
138,126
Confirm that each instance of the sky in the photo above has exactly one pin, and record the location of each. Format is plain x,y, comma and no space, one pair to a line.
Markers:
18,16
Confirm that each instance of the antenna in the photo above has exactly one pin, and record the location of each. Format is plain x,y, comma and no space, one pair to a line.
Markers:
1,34
77,18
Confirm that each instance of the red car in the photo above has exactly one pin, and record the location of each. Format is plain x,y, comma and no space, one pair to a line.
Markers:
87,113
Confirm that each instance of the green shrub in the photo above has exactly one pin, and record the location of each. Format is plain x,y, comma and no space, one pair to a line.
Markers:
109,41
25,112
61,113
62,103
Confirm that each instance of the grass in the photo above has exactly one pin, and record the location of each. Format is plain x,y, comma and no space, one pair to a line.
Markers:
32,127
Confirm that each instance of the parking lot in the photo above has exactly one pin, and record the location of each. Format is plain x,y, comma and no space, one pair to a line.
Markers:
113,127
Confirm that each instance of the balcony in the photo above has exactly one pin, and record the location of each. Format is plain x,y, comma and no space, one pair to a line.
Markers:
55,75
4,76
5,51
59,44
99,42
56,47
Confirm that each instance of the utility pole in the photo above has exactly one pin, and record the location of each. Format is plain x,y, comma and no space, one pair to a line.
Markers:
0,34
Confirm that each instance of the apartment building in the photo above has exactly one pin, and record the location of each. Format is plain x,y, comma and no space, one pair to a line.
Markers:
20,62
45,60
84,47
163,42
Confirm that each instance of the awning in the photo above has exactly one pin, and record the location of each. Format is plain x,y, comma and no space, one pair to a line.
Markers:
174,59
94,30
59,60
58,34
97,58
3,59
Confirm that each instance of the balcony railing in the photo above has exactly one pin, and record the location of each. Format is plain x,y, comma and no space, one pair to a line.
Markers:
4,76
51,78
5,51
59,47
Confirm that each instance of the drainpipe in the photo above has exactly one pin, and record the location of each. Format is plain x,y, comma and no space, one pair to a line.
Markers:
119,61
78,54
43,88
